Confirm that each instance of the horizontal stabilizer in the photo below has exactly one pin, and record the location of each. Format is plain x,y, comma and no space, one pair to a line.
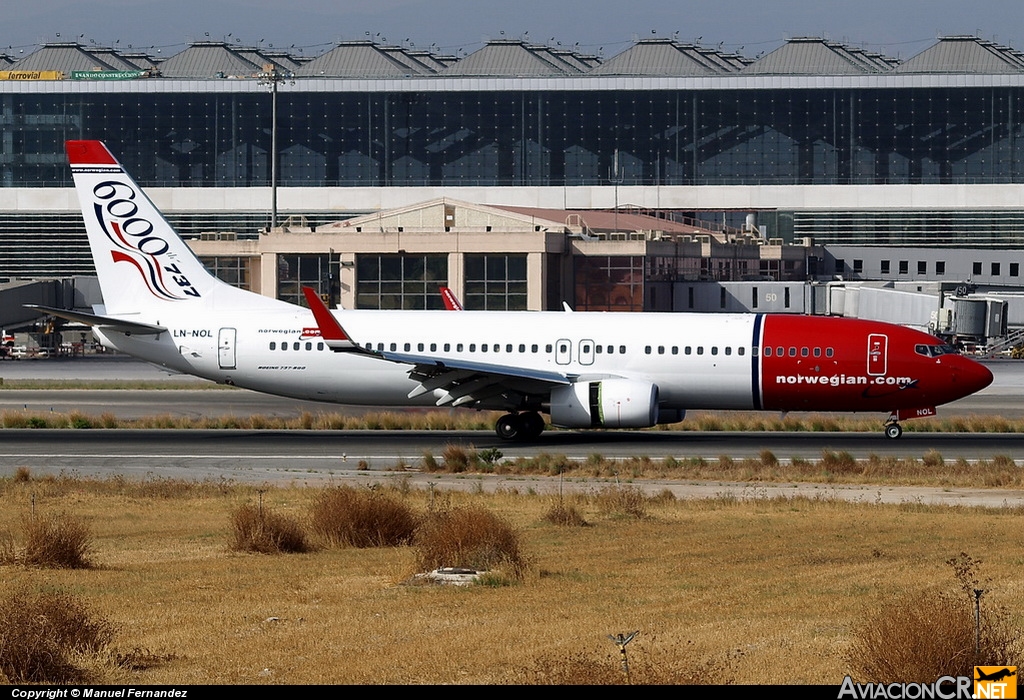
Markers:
103,322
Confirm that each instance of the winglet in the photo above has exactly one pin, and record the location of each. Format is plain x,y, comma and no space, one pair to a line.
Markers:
451,302
330,330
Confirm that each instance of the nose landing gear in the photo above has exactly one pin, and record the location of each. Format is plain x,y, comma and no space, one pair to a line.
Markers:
893,430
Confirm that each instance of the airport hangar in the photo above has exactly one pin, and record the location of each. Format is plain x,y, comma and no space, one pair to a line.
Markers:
671,176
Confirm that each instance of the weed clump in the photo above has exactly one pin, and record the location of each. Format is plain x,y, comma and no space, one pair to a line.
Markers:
470,537
257,529
928,635
349,517
56,542
622,501
567,515
42,634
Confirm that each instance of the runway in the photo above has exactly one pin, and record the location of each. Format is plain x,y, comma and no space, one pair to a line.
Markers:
313,456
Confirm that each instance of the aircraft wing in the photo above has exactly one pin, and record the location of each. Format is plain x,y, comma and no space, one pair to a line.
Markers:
463,381
101,322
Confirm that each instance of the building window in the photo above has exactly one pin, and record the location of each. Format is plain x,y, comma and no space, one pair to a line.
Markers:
885,267
976,268
495,282
995,269
858,266
297,271
233,270
609,282
400,281
940,268
922,267
1014,269
904,267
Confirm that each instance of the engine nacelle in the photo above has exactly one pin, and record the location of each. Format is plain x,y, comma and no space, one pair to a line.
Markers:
608,403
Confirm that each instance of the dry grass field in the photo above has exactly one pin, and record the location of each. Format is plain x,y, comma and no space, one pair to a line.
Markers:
720,591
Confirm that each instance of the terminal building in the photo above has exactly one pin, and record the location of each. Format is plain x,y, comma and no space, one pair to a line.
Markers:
671,176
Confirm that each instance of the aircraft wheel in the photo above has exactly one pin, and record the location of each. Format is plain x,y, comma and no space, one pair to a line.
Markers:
509,426
533,425
893,431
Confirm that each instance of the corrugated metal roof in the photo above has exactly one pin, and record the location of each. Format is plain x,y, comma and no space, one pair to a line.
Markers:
668,57
65,56
965,54
208,59
113,59
363,59
816,56
512,57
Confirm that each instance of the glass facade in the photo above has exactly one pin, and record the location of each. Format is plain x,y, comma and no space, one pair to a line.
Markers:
609,282
297,271
400,281
495,282
857,135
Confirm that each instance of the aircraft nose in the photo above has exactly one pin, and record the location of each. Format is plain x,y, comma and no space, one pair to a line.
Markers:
974,376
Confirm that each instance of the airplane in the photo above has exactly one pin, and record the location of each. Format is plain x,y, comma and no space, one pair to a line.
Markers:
582,369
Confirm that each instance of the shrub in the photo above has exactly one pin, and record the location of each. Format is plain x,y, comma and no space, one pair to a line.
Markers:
561,514
472,538
57,542
41,633
926,635
261,530
621,501
346,516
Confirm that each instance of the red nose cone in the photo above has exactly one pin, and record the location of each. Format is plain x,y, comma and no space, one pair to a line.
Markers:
976,376
971,377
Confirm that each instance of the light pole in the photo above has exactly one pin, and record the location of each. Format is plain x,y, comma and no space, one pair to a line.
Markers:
271,75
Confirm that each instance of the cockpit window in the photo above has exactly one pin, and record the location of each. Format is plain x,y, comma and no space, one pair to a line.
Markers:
934,350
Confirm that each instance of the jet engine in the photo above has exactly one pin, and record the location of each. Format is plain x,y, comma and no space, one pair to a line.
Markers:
608,403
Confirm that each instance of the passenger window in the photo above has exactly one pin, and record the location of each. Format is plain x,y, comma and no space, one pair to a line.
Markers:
433,347
728,350
472,347
647,349
828,352
483,347
508,348
792,352
817,352
522,348
675,349
419,347
295,345
700,349
804,352
534,348
661,349
598,349
622,349
458,348
687,350
714,349
407,347
740,350
284,346
447,347
394,346
273,346
767,351
780,351
319,346
547,348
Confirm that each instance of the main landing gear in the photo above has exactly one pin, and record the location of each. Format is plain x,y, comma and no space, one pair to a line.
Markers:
520,426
